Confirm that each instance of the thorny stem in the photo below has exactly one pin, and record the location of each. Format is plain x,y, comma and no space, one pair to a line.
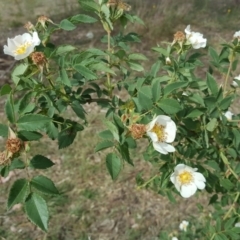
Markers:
228,73
147,182
232,207
108,74
26,165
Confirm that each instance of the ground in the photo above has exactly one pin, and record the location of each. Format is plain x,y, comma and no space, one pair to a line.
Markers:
91,205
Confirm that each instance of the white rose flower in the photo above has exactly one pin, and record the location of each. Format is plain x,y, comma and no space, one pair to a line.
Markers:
162,130
237,224
237,35
187,180
228,115
22,45
183,225
174,238
195,38
235,83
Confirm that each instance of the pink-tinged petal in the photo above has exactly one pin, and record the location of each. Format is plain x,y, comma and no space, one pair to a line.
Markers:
188,190
200,184
198,176
158,147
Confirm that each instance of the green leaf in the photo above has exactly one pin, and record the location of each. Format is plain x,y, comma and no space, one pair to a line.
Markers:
3,130
78,109
227,184
170,106
18,192
52,131
225,103
64,49
85,72
106,134
25,102
212,125
9,109
18,71
155,68
212,84
37,211
5,89
156,89
40,162
103,145
65,24
64,78
29,136
32,122
66,137
89,5
114,165
17,164
83,18
194,113
124,151
144,100
135,66
174,86
137,56
44,185
113,129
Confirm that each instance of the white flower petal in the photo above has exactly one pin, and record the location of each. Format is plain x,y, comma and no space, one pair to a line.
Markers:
158,146
187,191
188,30
153,136
200,184
171,130
35,39
198,176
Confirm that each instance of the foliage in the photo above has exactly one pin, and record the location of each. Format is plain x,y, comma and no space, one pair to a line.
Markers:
54,79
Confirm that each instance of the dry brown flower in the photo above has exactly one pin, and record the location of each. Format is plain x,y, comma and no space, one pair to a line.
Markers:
38,59
179,36
29,26
137,130
14,145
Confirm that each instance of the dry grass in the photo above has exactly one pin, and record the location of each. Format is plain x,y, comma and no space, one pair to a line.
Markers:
91,205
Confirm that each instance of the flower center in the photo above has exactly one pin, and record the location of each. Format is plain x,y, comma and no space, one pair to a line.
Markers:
159,131
22,48
185,177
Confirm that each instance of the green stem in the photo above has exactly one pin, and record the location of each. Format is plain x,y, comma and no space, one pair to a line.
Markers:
228,73
109,86
147,182
232,206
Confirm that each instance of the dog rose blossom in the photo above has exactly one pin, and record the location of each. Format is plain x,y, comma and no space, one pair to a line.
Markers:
195,38
162,130
187,180
21,46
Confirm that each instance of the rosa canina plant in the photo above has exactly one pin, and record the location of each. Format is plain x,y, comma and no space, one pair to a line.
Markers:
194,137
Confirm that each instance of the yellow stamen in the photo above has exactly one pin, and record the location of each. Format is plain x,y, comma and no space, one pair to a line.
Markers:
159,131
22,49
185,177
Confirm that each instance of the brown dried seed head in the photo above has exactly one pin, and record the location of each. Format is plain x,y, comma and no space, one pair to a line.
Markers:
13,145
179,36
29,26
38,58
43,19
137,130
4,159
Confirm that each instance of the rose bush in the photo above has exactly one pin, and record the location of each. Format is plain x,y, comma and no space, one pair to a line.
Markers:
184,116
